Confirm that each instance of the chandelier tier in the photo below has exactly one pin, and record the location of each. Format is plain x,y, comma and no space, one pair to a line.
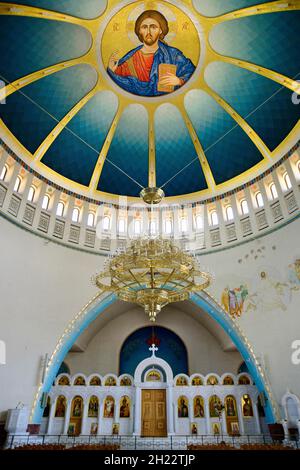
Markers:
152,273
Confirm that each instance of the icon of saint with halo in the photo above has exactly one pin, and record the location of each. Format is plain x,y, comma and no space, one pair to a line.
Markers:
154,68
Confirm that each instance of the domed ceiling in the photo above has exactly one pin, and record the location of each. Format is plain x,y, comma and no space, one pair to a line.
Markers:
97,131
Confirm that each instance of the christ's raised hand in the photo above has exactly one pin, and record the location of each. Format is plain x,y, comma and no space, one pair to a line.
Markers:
114,61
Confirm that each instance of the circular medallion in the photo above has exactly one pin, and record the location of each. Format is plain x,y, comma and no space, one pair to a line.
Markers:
150,49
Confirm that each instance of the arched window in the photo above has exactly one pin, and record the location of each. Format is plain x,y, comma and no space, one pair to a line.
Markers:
106,222
287,181
91,219
75,214
45,203
214,218
60,209
17,184
183,224
259,199
122,225
137,226
168,226
229,213
273,190
199,222
31,193
4,173
244,207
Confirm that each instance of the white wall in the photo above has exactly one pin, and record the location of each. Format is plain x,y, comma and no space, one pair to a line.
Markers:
43,285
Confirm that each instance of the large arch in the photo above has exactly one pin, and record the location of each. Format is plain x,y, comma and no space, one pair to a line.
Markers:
101,301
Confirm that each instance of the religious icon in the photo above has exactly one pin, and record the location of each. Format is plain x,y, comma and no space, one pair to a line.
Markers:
71,429
230,406
153,68
153,376
214,404
228,380
115,429
233,299
125,408
79,381
216,429
183,409
64,380
94,429
212,380
181,381
95,381
60,407
194,429
244,380
235,428
198,407
197,381
125,381
110,382
247,406
109,407
93,407
77,407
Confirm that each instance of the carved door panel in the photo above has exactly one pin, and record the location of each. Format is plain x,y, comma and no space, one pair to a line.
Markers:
154,417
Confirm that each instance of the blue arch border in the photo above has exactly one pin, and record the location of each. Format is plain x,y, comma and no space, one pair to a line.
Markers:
100,303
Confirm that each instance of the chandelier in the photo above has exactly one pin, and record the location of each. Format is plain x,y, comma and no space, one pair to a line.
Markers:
152,272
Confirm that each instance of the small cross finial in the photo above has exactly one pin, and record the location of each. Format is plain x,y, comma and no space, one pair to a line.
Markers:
153,349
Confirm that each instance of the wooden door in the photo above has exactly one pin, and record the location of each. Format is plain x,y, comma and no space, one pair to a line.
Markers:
154,416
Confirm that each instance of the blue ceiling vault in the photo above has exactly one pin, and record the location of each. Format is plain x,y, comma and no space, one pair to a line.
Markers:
28,44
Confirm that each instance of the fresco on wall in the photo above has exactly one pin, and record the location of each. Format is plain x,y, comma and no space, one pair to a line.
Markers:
294,274
233,299
270,290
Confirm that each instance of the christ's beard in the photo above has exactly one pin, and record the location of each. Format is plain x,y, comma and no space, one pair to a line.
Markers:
150,40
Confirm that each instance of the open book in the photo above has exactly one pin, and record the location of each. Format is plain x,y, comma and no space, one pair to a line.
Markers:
163,69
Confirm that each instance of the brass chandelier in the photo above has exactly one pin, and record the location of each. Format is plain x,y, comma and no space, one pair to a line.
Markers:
152,272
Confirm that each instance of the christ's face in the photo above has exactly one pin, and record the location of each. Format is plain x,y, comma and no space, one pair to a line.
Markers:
150,31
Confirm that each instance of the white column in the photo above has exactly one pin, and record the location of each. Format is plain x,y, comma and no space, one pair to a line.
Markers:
29,178
236,216
10,188
52,206
84,431
3,158
100,415
280,194
137,417
68,217
51,417
294,182
221,224
256,416
268,212
67,417
207,415
240,415
206,228
170,417
251,208
39,202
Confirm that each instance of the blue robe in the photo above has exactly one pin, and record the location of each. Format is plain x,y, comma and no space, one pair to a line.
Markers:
164,55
